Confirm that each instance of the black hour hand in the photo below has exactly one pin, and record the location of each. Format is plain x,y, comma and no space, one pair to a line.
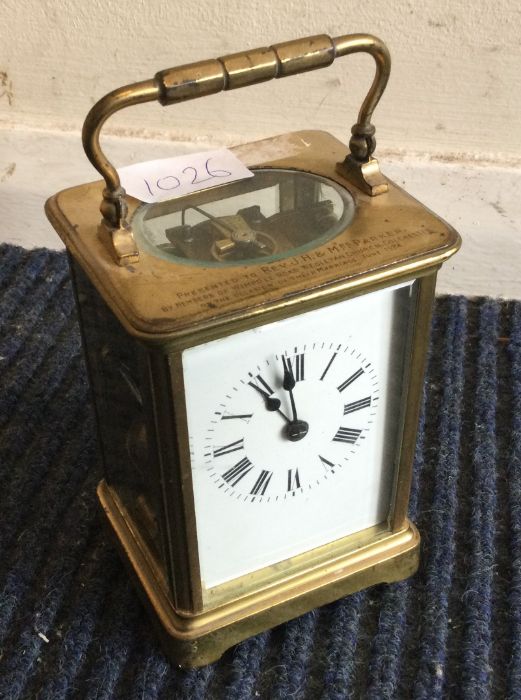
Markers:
272,403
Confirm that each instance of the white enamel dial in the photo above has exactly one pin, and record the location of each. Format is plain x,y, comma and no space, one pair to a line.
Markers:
293,430
258,450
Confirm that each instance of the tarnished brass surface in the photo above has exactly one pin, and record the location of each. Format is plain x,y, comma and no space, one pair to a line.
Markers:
123,243
389,236
366,176
203,638
231,72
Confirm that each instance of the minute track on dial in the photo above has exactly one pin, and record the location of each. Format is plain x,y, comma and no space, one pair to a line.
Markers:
334,380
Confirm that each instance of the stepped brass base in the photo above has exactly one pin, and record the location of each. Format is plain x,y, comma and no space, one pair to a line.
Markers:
201,639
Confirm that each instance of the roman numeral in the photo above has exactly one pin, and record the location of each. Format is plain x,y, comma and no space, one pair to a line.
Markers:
326,463
232,447
349,435
261,386
240,416
293,479
296,367
238,471
260,486
357,405
350,379
328,366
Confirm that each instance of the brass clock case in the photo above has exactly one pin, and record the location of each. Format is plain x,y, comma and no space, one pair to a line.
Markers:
143,301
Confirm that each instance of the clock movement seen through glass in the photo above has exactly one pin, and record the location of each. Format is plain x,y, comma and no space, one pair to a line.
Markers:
275,214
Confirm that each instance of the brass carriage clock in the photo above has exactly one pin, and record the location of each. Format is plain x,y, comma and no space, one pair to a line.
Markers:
256,353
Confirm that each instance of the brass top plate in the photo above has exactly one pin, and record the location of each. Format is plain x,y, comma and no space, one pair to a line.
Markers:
391,235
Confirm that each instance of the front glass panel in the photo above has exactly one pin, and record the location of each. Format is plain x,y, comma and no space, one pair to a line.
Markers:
272,215
294,431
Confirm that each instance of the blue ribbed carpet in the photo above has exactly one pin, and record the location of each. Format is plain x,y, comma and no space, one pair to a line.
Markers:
72,627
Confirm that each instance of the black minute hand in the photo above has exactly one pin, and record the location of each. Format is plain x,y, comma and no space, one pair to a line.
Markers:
296,429
288,383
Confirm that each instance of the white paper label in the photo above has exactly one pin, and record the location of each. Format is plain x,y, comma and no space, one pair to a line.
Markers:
167,178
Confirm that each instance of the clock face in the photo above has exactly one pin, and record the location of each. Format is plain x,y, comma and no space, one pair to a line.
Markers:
314,429
294,430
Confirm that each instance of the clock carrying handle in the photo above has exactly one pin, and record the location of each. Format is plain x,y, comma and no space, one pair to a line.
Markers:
227,73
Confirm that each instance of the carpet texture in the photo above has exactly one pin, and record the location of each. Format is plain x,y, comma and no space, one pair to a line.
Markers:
71,626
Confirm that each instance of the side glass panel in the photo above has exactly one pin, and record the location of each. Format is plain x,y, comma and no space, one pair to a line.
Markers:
118,376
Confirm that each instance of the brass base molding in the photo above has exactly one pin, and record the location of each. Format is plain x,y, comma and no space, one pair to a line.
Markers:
197,640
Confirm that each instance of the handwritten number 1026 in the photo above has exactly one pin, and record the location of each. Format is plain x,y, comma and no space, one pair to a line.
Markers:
171,182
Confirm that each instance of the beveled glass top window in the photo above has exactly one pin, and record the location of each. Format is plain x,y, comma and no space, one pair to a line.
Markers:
272,215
